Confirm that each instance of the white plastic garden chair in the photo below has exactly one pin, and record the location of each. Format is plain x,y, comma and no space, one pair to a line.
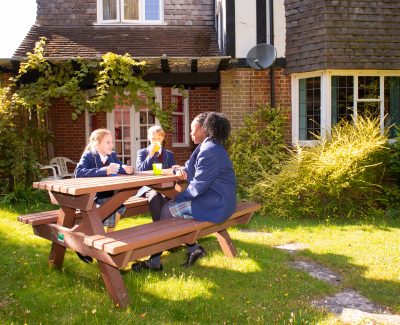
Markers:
62,162
54,170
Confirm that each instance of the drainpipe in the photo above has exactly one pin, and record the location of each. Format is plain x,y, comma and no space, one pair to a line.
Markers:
271,41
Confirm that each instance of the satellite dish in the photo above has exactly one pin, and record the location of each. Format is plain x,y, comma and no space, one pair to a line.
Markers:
261,56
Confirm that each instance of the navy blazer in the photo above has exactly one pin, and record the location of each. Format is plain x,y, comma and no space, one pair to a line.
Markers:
211,183
144,162
90,165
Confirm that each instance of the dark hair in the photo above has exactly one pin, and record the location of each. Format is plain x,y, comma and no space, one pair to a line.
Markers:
216,126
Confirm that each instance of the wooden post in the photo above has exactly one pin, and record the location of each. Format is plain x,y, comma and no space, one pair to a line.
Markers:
57,252
226,243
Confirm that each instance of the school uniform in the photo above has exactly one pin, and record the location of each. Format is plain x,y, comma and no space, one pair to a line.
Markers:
92,165
145,162
211,188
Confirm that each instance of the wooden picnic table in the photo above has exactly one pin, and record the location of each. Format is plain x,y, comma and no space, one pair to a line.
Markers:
78,224
79,218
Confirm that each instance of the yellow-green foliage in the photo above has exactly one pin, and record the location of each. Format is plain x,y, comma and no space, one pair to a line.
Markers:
341,175
258,147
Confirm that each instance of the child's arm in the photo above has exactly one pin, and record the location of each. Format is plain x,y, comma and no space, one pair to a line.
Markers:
87,167
144,161
123,169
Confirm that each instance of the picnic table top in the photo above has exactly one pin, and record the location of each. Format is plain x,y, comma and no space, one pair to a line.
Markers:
88,185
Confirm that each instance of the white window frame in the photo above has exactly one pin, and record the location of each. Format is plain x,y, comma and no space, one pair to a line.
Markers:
185,94
326,76
325,117
120,14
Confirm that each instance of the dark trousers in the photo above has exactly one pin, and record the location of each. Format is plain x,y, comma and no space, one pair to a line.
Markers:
156,202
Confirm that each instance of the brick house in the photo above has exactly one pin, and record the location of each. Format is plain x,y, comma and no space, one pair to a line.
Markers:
335,60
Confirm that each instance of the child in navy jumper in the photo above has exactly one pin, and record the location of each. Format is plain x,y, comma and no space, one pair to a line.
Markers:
98,160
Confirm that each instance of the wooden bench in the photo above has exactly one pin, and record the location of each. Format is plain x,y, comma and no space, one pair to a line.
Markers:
147,239
134,206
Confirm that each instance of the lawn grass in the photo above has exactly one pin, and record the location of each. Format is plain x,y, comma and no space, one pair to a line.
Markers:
257,287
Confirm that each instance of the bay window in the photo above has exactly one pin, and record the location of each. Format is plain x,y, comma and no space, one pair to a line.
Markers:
323,99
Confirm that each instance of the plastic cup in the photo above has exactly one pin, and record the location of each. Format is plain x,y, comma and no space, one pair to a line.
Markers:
116,167
157,168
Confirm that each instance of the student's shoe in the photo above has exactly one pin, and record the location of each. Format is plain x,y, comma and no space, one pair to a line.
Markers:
86,259
145,265
191,258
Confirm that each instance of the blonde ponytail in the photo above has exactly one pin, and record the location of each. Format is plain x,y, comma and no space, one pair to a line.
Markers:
95,138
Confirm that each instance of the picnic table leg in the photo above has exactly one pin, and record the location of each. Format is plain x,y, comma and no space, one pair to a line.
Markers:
226,243
115,284
111,275
57,252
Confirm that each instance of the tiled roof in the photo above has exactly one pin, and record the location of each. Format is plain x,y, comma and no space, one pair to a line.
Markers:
346,34
138,41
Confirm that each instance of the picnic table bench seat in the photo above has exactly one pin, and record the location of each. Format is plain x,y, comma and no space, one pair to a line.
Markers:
141,241
133,206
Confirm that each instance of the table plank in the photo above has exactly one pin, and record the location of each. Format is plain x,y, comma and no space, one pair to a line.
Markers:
86,185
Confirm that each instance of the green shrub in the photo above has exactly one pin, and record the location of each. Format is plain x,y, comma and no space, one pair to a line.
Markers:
342,176
25,195
258,148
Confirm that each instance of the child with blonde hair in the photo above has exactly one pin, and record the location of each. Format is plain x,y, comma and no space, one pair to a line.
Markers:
99,160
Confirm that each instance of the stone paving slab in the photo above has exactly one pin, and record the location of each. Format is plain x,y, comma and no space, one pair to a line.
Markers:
353,308
292,247
350,306
317,271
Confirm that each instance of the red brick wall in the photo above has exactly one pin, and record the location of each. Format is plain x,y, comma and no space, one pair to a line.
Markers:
69,135
4,78
201,99
242,90
70,139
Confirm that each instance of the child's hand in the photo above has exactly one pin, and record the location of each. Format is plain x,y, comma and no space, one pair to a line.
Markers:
128,169
155,147
112,169
179,171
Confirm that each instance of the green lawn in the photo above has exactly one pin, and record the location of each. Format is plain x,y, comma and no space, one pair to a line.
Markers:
258,287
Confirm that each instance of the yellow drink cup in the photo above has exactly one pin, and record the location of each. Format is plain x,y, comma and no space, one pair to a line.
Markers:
157,169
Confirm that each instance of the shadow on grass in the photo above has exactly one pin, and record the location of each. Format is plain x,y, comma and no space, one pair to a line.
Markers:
256,287
261,221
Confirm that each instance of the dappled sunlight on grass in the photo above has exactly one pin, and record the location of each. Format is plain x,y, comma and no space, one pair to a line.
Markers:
242,263
177,288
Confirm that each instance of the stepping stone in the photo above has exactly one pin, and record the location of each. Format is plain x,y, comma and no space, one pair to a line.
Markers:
317,271
256,232
352,308
293,247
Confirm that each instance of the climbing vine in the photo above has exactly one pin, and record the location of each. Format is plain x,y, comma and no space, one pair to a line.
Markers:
24,101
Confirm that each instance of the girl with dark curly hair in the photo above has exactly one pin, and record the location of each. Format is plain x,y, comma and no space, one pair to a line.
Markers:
211,191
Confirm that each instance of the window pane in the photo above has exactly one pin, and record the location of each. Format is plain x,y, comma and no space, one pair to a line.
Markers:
178,101
368,109
368,87
131,9
178,135
342,98
152,10
143,133
109,9
309,108
392,103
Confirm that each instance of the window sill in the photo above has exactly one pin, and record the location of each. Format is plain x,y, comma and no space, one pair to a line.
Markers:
125,24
